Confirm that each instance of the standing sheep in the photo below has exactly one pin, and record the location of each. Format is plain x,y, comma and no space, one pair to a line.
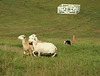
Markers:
43,47
28,48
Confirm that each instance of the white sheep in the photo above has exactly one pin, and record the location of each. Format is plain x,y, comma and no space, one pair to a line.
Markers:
43,47
28,48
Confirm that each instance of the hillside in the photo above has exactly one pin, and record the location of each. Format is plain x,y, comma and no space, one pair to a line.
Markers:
40,17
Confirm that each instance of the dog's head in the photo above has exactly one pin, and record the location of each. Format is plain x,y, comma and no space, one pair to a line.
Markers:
67,42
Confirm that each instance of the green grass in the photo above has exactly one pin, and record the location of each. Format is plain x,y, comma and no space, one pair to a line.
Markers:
40,17
79,59
18,17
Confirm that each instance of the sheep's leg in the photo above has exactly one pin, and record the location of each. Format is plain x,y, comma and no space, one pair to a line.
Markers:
39,54
54,55
26,53
30,53
33,53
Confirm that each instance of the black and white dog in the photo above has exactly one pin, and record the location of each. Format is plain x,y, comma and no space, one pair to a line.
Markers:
67,42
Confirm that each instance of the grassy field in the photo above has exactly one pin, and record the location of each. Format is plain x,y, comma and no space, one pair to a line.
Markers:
79,59
26,17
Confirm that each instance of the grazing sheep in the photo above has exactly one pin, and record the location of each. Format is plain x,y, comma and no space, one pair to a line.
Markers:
28,48
43,47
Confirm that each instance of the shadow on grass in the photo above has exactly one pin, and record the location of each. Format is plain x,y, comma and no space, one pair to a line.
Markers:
43,55
48,55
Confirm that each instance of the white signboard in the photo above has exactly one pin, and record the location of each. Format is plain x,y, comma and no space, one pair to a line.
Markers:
68,9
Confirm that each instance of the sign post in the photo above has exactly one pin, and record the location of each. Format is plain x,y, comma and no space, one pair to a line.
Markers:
68,9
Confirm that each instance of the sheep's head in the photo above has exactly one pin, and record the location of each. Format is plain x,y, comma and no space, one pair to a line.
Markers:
33,35
21,37
32,38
